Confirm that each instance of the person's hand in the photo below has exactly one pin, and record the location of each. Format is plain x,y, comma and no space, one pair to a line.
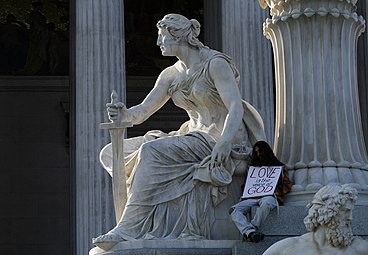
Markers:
220,153
116,111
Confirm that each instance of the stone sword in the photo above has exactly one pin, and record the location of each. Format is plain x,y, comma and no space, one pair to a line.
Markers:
119,187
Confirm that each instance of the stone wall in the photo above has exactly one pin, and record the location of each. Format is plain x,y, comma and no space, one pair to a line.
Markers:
35,177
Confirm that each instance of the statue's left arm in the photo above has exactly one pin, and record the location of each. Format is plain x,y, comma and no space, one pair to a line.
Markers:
224,80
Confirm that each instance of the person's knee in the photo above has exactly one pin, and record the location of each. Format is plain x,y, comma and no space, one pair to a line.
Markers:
268,203
268,206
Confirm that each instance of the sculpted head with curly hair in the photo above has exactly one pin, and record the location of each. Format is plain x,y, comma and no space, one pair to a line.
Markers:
329,225
332,207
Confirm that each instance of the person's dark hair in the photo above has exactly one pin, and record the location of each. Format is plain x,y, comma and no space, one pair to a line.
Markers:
267,157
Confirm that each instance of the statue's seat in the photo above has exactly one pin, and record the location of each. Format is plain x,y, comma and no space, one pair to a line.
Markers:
224,228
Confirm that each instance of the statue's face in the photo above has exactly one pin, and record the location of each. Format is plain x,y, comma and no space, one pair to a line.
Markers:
345,214
339,232
168,45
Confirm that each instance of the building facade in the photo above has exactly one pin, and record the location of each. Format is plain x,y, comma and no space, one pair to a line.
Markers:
53,179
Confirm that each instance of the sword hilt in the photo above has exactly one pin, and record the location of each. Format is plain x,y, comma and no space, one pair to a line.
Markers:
117,123
114,99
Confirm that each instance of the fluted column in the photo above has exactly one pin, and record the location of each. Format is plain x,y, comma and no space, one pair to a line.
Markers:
318,124
242,39
212,32
362,72
100,68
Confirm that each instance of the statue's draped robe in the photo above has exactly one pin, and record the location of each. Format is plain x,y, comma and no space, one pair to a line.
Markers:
172,192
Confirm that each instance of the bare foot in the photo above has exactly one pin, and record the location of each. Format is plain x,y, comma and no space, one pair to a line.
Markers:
107,241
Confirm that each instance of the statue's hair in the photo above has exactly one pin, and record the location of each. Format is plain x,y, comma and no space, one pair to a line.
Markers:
179,27
326,204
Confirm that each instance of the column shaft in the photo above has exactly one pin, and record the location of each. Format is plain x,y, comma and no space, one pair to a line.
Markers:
362,73
100,68
242,39
318,122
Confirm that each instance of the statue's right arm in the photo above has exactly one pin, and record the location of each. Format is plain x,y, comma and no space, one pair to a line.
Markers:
155,99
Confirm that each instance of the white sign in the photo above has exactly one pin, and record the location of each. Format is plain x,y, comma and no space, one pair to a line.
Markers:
261,181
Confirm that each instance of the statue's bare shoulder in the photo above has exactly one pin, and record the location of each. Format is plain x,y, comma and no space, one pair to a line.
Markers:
167,76
289,246
360,246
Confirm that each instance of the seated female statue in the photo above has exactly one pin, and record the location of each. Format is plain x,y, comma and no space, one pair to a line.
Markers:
176,180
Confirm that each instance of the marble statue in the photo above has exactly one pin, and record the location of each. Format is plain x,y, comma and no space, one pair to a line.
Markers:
329,225
176,180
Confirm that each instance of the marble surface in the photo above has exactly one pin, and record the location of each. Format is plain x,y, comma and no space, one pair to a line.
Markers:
318,126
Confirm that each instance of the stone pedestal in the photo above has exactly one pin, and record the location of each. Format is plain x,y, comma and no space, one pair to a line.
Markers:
318,125
287,223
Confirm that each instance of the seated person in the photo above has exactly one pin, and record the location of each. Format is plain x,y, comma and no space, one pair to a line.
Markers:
262,155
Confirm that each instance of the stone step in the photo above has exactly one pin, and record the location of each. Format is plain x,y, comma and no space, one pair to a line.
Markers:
288,222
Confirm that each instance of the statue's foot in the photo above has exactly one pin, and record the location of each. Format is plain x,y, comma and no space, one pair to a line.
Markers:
190,237
107,241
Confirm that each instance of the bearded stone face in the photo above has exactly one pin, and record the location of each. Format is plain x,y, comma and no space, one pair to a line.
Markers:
339,235
338,229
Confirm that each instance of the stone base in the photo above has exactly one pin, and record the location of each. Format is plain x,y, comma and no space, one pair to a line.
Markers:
155,247
288,222
302,198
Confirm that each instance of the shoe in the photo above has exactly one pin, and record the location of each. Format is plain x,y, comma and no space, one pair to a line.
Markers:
255,237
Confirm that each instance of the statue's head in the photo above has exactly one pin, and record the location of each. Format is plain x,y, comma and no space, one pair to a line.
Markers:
181,29
331,208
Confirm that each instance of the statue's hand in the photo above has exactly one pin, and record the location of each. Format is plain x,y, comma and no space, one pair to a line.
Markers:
116,111
220,153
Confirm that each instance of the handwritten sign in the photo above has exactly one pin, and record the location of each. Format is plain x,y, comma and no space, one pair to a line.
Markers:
261,181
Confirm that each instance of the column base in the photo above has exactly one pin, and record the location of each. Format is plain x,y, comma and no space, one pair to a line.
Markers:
302,198
312,178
